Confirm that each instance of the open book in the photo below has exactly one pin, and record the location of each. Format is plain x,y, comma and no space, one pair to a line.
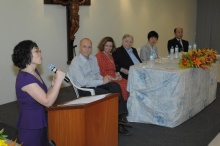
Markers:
85,100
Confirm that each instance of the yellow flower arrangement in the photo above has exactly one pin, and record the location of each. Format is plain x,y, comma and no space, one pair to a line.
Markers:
3,141
201,58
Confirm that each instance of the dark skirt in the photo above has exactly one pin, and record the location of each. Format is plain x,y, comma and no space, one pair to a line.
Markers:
33,137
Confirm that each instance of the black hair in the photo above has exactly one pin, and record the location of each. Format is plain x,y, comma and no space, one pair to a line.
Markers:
152,34
22,55
175,30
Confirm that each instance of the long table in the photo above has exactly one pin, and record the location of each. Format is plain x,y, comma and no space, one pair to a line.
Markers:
166,95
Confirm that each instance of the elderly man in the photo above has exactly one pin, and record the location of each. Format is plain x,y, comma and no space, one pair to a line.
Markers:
125,56
182,44
84,71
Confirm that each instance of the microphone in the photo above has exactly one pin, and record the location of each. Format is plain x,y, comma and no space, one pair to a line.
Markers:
52,68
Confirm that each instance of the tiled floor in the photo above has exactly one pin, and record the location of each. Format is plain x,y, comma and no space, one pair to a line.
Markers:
215,141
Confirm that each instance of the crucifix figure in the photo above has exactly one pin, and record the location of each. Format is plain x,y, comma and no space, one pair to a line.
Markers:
72,24
73,15
72,9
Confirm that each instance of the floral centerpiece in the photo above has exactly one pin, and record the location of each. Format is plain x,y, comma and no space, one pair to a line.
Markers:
201,58
4,142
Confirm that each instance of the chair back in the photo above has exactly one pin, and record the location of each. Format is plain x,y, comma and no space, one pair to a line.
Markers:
76,87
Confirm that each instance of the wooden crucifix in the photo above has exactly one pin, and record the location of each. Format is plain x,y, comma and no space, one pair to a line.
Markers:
72,9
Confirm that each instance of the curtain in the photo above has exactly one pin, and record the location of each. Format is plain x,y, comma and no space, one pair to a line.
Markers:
208,24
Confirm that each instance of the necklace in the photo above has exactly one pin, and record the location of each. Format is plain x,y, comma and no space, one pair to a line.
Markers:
109,58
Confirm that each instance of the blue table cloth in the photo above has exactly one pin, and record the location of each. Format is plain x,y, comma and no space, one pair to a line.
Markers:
166,95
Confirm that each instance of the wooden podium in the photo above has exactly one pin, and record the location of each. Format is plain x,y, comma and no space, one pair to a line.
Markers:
82,122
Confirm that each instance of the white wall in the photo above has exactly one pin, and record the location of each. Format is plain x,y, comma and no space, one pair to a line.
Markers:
46,25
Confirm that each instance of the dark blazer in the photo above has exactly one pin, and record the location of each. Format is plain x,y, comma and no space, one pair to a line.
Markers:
173,42
123,60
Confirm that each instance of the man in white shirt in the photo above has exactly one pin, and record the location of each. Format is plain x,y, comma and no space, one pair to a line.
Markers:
84,71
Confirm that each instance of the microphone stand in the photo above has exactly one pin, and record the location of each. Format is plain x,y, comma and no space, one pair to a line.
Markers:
71,51
74,51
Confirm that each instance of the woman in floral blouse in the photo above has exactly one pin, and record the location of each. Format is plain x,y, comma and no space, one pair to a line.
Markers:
107,65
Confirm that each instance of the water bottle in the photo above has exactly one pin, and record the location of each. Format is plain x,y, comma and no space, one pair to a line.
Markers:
155,56
176,52
194,46
151,61
190,48
172,53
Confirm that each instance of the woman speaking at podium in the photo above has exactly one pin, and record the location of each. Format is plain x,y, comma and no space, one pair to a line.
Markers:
32,94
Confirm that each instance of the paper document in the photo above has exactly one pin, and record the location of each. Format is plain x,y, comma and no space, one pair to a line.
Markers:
84,100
